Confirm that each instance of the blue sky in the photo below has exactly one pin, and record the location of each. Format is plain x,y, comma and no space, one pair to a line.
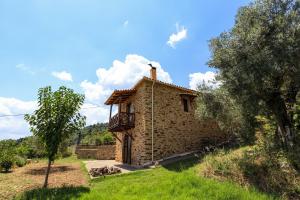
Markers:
78,37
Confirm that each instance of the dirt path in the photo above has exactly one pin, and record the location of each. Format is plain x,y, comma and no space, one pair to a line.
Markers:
32,176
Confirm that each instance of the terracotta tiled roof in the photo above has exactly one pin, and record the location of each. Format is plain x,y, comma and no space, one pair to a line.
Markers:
119,96
167,84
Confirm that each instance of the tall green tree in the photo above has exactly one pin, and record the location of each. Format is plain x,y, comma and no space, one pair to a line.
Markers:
217,104
259,61
56,118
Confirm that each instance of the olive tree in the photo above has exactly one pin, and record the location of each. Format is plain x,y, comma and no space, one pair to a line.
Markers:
217,104
259,61
56,118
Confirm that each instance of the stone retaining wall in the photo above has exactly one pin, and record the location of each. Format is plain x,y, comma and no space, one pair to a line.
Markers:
101,152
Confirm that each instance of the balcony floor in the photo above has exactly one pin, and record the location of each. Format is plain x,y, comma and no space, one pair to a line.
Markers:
120,128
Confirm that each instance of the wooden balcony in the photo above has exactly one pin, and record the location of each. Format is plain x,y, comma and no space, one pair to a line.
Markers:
121,121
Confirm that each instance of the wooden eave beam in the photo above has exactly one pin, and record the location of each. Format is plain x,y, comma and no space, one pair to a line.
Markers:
116,137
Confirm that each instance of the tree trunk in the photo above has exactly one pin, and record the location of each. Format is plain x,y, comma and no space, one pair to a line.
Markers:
47,173
285,127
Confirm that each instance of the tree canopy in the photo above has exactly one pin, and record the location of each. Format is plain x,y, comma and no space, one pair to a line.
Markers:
56,118
259,60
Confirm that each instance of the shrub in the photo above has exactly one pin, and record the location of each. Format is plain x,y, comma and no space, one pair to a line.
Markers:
7,153
31,147
64,151
6,162
20,161
98,138
107,138
67,152
98,141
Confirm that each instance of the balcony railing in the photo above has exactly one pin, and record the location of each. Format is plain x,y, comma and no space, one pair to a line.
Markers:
121,121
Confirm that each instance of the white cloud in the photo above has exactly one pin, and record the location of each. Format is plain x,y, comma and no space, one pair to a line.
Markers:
14,126
63,75
94,92
121,75
199,78
125,24
95,113
178,36
25,68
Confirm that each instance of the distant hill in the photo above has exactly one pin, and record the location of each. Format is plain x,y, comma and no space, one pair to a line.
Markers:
95,128
95,134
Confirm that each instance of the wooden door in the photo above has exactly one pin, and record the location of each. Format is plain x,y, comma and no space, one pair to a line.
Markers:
126,149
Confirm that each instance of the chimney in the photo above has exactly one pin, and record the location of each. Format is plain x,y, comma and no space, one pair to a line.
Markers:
152,72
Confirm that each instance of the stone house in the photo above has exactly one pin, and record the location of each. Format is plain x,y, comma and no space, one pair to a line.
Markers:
156,120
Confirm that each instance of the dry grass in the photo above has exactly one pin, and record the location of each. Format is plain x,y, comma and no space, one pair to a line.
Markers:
64,172
246,168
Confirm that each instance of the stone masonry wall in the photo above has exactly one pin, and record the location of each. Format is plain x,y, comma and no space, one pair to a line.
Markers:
102,152
175,131
138,132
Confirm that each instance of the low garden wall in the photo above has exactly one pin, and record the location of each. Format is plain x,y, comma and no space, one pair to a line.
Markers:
101,152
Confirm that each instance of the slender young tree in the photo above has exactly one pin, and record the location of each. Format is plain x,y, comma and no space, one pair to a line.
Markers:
56,118
259,60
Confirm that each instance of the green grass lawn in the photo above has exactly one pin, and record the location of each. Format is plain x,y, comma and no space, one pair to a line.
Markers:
177,181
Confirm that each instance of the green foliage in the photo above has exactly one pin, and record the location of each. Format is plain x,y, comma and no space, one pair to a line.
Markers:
6,162
30,147
217,104
108,138
7,146
20,161
259,61
7,153
175,181
296,111
99,127
56,118
249,166
65,192
96,134
98,138
64,151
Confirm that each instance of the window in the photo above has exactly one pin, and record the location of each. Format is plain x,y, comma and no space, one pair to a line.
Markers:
185,105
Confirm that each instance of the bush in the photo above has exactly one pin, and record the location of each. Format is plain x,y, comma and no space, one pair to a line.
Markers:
7,153
99,138
107,138
64,151
31,147
20,161
6,162
98,141
67,152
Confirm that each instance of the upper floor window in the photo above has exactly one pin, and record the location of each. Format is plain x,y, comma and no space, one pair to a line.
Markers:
130,108
185,105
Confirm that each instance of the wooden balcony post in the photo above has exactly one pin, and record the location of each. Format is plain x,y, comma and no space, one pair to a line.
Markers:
111,105
120,110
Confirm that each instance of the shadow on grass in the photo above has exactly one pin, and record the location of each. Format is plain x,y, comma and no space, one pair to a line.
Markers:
6,172
181,165
54,169
62,193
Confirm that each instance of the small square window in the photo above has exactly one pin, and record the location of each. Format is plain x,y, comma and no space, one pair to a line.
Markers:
185,105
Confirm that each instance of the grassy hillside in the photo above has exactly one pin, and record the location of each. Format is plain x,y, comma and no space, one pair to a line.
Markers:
249,167
177,181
